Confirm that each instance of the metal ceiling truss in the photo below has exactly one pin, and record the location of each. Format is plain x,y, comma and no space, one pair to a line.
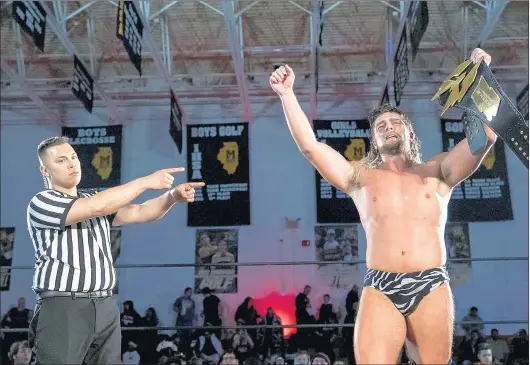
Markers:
59,27
163,67
494,10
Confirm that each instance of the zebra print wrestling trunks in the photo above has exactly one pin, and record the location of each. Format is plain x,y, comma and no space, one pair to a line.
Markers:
406,290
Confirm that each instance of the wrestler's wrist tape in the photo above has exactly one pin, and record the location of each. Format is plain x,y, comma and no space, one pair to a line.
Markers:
473,89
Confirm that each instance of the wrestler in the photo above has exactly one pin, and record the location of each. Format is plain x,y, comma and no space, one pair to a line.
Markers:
402,202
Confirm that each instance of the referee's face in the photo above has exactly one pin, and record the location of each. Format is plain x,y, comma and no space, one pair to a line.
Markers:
62,166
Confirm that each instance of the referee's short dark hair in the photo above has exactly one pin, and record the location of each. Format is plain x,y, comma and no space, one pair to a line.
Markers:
50,142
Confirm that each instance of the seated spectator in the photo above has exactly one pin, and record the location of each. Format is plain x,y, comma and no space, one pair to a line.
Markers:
243,345
129,317
210,348
131,356
499,347
485,355
302,358
229,358
20,353
520,348
468,349
320,358
473,316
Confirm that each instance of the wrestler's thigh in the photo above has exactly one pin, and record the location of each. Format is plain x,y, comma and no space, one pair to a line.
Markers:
430,327
380,329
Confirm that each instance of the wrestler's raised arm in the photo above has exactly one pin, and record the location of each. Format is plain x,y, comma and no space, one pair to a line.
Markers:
458,164
333,167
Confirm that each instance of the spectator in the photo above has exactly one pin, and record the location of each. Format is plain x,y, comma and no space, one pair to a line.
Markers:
469,348
212,309
185,308
520,348
246,314
229,358
352,299
474,317
304,315
131,356
129,318
20,353
210,347
302,358
499,347
270,339
320,359
485,355
18,317
149,339
326,310
243,345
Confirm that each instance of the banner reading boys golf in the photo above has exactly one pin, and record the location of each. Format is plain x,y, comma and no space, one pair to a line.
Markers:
351,139
217,247
218,156
99,152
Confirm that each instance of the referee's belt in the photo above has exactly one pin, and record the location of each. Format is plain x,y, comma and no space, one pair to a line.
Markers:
473,89
74,295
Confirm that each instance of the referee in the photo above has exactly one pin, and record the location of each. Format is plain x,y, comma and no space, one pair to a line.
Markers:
77,319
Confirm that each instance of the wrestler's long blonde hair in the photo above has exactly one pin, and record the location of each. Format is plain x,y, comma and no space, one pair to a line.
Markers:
373,158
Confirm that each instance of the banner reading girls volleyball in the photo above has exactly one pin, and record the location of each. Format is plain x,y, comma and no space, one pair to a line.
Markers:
218,155
341,245
458,247
485,196
351,139
99,152
216,248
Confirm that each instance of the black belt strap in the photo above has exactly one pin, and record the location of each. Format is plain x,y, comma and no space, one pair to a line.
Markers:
473,89
74,295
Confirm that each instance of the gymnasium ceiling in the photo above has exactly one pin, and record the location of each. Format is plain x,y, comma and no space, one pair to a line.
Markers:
194,36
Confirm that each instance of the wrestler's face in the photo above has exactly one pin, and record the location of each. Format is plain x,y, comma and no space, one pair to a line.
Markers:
485,356
61,166
391,134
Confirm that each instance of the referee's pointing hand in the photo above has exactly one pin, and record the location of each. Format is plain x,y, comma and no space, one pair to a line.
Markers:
162,179
185,193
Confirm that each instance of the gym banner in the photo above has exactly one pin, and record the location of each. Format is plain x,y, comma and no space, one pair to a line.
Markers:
485,196
338,244
127,18
401,67
7,242
99,152
458,247
175,123
83,85
218,155
216,247
418,20
351,139
31,17
115,250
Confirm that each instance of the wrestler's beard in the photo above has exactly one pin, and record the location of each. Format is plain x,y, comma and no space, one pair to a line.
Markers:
392,147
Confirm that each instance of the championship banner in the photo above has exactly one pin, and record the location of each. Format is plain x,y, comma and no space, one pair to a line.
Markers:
31,17
401,67
7,242
458,247
99,152
485,196
216,248
339,244
83,85
351,139
218,155
128,18
115,250
175,123
418,20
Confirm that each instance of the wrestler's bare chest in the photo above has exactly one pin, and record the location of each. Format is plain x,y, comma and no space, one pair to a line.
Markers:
417,194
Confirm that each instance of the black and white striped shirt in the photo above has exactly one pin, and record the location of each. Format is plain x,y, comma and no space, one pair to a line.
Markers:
73,258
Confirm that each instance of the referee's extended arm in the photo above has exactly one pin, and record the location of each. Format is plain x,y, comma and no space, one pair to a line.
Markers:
112,200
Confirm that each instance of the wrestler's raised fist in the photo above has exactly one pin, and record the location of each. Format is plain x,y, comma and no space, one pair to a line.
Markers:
282,80
185,193
162,179
479,55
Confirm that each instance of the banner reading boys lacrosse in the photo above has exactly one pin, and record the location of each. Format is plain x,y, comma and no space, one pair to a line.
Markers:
458,247
217,247
218,155
7,242
351,139
485,196
339,244
99,152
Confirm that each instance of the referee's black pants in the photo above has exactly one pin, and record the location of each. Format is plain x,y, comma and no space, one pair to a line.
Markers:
76,331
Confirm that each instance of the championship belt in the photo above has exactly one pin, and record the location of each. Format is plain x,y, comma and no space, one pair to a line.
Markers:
473,88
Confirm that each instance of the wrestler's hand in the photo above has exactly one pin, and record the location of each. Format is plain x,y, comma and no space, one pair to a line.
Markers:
282,80
162,179
185,193
479,55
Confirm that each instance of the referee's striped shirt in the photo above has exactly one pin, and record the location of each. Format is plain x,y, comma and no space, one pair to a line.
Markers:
74,258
